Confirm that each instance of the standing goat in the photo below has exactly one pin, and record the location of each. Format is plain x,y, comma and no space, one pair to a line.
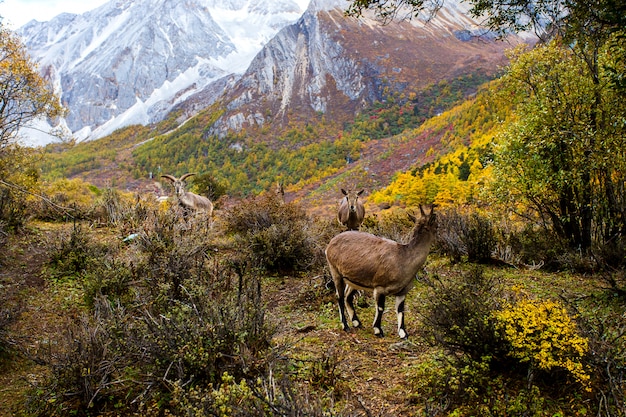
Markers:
189,200
359,260
351,211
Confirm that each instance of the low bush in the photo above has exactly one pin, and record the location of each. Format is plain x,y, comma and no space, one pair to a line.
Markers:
73,252
122,210
470,237
272,394
162,311
605,330
458,314
542,335
13,212
510,352
64,200
274,236
124,357
394,224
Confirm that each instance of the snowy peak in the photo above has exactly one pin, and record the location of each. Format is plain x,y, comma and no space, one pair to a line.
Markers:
131,61
329,64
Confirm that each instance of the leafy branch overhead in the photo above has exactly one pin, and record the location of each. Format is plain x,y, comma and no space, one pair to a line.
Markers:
25,95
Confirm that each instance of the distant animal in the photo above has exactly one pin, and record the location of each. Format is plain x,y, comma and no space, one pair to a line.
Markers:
351,210
362,261
187,199
280,191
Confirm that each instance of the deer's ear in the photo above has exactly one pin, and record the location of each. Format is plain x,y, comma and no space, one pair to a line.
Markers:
344,192
360,192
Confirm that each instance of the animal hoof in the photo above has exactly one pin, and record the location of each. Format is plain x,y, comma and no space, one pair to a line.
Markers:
403,334
356,323
378,332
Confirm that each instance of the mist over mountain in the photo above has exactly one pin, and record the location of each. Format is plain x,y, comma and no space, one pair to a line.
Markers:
133,61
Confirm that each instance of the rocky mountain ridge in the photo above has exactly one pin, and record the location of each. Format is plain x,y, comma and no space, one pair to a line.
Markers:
131,61
134,61
327,63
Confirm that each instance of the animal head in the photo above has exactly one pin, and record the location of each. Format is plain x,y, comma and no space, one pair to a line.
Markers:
427,221
352,198
280,191
179,183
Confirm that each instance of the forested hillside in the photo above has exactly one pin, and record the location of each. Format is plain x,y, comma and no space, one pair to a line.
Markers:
248,162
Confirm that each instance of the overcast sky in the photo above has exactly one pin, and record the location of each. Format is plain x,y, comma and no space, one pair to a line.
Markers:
16,13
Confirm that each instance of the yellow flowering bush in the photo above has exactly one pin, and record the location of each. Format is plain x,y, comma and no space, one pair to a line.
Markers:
543,334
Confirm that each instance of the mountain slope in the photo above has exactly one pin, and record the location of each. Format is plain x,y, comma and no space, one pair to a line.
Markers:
131,61
333,65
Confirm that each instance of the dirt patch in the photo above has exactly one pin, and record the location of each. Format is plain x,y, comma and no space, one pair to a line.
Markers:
368,373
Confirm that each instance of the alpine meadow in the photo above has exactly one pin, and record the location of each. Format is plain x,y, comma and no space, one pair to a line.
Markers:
174,246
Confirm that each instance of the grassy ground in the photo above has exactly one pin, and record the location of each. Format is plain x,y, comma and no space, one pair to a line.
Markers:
354,373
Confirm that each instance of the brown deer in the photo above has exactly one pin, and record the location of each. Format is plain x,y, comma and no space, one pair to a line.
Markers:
351,210
362,261
279,190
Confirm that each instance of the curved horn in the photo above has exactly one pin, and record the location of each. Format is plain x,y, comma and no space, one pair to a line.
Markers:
169,177
187,175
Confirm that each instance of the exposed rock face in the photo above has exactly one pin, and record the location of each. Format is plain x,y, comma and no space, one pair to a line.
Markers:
132,62
135,60
327,63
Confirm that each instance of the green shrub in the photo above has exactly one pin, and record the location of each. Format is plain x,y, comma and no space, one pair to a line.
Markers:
499,357
207,185
161,310
73,252
110,278
394,224
458,315
122,356
64,200
13,210
273,235
538,246
606,333
271,394
123,210
472,236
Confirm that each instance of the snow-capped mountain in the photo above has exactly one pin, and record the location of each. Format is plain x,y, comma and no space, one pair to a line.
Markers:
327,63
131,61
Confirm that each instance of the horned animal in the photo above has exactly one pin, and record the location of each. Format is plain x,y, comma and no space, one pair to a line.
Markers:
351,210
188,199
362,261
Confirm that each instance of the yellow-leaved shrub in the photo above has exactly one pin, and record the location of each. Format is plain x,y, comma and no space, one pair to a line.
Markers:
541,333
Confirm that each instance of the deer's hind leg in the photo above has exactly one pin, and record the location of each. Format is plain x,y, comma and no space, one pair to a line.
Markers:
350,293
400,313
379,299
